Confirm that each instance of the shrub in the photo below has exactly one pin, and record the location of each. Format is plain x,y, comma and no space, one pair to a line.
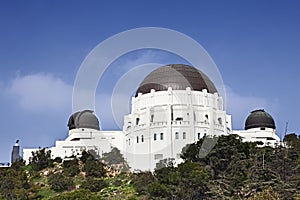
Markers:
57,160
41,159
156,189
94,168
59,182
78,195
85,156
71,167
141,181
94,185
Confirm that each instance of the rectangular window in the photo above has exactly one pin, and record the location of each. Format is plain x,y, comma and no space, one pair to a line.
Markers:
184,135
161,136
155,136
176,135
137,139
142,138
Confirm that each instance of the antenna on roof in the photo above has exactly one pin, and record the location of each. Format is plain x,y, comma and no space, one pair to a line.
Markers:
286,128
285,131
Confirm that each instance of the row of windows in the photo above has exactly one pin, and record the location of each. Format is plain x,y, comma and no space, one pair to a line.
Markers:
161,136
137,120
177,135
137,138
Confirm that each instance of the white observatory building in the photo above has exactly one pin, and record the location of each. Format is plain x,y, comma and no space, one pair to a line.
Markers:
84,134
174,105
259,127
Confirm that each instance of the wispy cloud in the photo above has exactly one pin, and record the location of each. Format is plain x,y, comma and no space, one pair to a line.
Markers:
40,92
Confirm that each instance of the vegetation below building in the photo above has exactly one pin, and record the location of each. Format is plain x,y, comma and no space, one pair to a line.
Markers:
231,170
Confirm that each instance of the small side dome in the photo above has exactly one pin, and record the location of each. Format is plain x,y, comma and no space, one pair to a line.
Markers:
259,119
83,119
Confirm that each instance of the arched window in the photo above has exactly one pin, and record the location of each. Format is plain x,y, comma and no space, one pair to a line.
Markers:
155,136
220,120
161,136
137,139
176,135
142,138
199,135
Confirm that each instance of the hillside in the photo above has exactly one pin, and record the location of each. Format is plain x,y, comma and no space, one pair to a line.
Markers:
231,170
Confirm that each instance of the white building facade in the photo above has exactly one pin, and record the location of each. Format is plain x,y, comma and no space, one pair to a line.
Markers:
174,106
259,127
84,134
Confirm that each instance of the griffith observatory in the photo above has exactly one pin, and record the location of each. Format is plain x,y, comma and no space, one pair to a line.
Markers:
174,105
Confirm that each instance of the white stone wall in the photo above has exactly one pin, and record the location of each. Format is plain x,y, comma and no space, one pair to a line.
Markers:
267,136
181,116
83,139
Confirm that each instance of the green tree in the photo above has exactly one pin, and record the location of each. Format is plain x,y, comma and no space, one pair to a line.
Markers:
93,184
156,189
87,156
167,162
15,183
187,181
41,159
58,160
293,141
240,170
94,168
78,195
193,181
268,193
59,182
141,181
71,167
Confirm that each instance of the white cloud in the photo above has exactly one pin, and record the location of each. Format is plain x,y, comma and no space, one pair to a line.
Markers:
240,106
40,92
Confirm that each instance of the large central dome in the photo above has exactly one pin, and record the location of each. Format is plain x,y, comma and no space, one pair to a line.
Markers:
178,77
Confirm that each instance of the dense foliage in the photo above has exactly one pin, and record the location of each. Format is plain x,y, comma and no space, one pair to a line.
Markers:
79,195
94,184
41,159
59,182
230,170
71,167
15,183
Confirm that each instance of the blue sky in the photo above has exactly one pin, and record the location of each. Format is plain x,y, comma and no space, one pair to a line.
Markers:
255,44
